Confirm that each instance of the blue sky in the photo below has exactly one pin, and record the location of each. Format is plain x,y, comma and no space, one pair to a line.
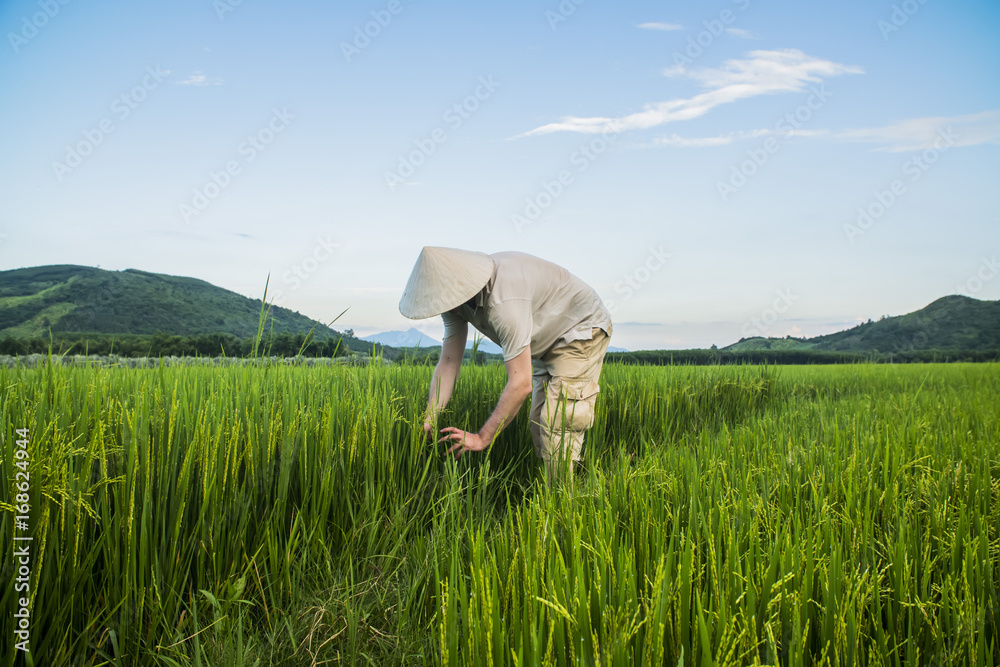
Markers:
714,170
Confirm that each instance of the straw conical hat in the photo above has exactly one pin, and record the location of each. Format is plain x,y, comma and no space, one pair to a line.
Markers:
442,279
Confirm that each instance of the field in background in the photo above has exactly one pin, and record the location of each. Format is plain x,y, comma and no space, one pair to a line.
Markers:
290,515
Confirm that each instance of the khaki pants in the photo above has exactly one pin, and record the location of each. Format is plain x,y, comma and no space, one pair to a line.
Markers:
564,393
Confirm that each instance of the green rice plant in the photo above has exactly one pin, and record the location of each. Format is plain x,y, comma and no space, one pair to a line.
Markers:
275,514
862,529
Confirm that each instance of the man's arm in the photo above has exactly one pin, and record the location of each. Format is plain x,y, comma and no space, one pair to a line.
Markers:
445,375
518,388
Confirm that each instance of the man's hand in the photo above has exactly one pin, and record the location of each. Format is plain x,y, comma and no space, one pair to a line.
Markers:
429,431
465,441
518,388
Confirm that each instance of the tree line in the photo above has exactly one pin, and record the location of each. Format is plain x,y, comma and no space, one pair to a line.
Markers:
796,357
289,345
166,345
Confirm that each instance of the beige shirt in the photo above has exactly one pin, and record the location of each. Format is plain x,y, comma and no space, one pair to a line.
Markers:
531,301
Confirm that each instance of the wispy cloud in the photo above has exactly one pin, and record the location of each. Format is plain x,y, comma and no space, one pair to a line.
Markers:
804,133
702,142
199,79
674,140
661,26
906,135
919,133
694,142
759,73
741,33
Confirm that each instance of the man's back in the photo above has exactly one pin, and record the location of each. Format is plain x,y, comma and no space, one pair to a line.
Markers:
532,301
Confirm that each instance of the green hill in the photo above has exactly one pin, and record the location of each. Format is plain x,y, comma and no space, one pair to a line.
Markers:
81,299
74,300
758,343
950,323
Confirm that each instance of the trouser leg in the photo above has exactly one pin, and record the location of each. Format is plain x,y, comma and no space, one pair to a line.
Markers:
568,414
539,380
570,399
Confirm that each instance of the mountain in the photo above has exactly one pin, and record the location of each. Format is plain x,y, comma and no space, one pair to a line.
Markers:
70,299
415,338
950,323
73,299
409,338
67,298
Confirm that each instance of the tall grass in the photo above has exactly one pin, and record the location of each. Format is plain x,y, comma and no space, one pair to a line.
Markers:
285,515
857,529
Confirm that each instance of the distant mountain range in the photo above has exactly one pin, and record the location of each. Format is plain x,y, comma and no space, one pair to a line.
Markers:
949,323
66,298
416,338
80,299
409,338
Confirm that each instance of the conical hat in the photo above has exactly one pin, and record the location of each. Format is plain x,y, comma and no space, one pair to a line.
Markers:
442,279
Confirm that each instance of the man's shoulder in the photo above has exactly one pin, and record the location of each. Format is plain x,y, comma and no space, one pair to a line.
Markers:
516,262
517,256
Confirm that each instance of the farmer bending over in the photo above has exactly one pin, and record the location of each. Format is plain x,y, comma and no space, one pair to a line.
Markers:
553,329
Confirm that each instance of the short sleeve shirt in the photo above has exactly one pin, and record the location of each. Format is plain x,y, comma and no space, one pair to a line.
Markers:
530,301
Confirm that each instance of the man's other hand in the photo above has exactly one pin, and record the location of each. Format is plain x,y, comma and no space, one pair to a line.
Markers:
464,441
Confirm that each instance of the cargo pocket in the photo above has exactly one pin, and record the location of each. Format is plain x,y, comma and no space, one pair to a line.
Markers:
569,405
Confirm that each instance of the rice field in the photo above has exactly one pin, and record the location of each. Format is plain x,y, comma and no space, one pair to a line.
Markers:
289,515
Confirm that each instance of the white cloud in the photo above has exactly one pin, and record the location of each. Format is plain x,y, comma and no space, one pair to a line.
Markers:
693,142
661,26
741,33
760,73
804,133
919,133
703,142
906,135
199,79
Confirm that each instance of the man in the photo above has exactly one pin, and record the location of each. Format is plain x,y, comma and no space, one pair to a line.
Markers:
554,331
